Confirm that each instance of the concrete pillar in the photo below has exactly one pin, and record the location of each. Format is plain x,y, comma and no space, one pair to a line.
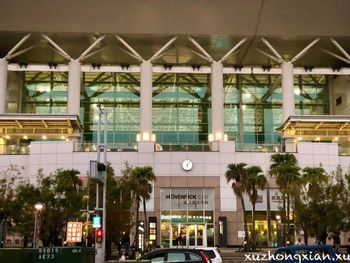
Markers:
146,102
74,69
3,84
217,101
288,103
290,145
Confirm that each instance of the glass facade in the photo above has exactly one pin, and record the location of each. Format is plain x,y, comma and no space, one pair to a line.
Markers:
253,104
119,94
181,108
44,92
181,104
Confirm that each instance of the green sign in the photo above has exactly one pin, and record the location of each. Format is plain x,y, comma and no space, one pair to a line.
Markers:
96,222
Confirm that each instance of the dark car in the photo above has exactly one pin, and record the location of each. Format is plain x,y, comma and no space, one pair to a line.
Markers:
175,255
307,254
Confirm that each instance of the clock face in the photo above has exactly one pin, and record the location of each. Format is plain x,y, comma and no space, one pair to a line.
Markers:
187,165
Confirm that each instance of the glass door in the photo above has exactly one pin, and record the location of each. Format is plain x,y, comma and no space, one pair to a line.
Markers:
191,235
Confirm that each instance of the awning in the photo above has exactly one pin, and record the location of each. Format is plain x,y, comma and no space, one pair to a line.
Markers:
317,127
46,126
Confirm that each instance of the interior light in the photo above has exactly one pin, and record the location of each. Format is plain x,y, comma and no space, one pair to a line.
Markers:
225,138
244,107
8,137
210,137
336,139
300,138
44,137
218,136
153,137
297,91
25,137
63,137
318,138
145,136
138,137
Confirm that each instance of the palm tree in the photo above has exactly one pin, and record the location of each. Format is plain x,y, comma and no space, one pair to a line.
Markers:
236,173
285,168
144,178
255,179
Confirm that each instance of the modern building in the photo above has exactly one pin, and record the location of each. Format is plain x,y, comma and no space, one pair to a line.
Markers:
189,87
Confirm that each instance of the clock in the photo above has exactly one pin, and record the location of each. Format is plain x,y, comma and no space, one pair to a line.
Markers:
187,165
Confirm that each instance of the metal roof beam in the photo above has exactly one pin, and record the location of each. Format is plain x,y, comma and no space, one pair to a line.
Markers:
56,47
86,52
20,43
162,49
303,52
133,51
201,49
341,49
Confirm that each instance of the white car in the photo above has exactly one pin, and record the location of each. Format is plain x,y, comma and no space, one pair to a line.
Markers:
213,254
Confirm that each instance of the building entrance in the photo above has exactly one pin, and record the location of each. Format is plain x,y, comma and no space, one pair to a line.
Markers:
193,235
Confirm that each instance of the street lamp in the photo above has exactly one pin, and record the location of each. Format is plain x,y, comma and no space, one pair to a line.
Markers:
38,208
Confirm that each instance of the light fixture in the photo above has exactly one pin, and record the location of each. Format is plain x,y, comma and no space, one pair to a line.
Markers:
297,92
244,107
336,139
38,206
318,139
44,137
210,137
7,137
63,137
25,137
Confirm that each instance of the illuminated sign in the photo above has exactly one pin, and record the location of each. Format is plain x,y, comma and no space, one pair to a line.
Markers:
74,231
96,222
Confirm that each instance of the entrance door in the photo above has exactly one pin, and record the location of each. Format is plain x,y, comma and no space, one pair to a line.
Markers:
192,235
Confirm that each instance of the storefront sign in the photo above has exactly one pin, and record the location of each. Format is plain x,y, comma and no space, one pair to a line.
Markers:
187,198
261,204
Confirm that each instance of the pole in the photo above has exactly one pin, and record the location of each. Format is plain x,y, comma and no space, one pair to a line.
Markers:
3,84
104,228
35,228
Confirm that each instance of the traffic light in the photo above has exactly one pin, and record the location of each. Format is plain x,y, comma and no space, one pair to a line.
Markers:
98,235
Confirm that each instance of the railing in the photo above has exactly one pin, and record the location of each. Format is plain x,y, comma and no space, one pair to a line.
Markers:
253,147
112,147
182,147
15,149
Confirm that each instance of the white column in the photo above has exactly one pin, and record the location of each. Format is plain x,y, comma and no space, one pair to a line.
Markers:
3,84
217,101
74,69
288,103
146,102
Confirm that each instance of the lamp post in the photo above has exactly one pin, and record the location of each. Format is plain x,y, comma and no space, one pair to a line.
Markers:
38,208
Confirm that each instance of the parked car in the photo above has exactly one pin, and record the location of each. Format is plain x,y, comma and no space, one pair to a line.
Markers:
307,254
177,255
213,253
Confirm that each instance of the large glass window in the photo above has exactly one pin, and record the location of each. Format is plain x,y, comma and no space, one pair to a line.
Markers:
253,107
311,95
44,92
119,94
253,104
181,108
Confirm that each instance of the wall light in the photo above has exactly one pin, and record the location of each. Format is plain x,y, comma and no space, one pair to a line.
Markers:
44,137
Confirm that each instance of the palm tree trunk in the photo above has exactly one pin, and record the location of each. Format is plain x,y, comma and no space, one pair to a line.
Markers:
288,217
253,230
245,227
145,235
284,220
136,240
